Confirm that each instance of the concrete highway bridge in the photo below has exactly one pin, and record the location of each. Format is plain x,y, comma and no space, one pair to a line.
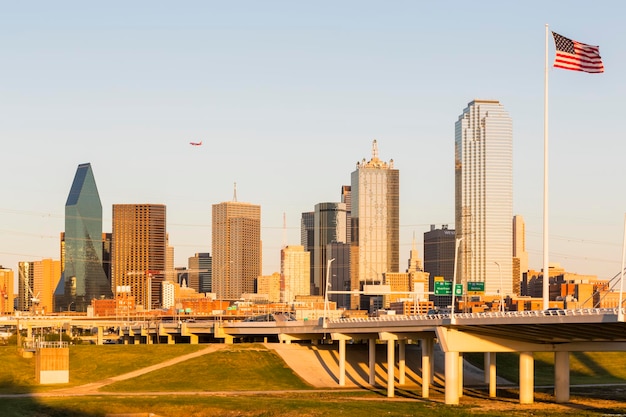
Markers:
558,331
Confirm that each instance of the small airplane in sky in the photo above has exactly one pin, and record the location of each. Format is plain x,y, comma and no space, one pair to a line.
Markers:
196,143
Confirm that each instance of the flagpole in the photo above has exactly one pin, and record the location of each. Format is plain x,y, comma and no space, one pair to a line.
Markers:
546,263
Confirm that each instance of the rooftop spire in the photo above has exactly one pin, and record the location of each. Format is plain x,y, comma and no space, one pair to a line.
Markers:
374,150
235,191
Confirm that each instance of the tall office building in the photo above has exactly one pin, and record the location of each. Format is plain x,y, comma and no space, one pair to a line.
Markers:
139,252
307,240
84,277
346,198
236,243
36,284
329,226
484,195
375,188
339,272
294,273
520,256
6,290
200,272
269,285
439,247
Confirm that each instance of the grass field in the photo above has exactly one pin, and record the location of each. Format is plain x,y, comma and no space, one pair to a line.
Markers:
221,383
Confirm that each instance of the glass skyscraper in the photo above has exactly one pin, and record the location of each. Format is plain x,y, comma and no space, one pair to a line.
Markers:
84,277
484,195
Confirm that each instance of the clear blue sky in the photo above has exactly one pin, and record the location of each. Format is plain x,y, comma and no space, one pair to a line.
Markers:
287,97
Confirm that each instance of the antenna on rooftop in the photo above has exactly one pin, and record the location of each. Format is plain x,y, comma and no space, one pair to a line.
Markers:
284,229
235,191
374,150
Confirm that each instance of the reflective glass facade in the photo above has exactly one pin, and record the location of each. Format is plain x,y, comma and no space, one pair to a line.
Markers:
484,195
83,242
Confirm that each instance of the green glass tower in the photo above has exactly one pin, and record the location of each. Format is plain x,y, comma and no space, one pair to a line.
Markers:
84,275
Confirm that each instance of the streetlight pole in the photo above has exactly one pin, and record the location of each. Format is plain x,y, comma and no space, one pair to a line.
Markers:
501,295
327,289
456,253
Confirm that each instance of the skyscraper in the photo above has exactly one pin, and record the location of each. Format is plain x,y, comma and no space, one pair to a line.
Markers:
329,226
307,240
6,290
37,281
294,273
484,195
375,188
84,277
200,272
236,243
139,251
439,247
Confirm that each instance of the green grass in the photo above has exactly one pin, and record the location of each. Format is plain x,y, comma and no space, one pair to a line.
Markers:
88,363
249,367
585,367
234,368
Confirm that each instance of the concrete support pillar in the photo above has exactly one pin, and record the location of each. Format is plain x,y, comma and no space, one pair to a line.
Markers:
401,362
526,378
391,366
460,379
427,352
100,335
342,362
372,361
452,378
561,377
137,340
490,372
228,339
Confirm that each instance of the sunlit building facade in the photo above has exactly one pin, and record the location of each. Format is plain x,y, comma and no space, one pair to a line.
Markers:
294,273
6,290
139,252
484,195
236,244
375,216
329,226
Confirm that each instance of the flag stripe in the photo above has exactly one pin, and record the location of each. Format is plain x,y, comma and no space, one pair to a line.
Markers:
576,56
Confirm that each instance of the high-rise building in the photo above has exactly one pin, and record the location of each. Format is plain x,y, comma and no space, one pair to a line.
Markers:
200,272
84,277
339,272
139,252
375,214
484,195
6,290
520,256
307,240
439,247
36,284
346,198
294,273
329,226
236,243
269,285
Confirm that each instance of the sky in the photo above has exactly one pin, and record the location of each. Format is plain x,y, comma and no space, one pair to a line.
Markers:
287,97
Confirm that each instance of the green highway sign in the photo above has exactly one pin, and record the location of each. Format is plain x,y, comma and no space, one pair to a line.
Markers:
475,286
443,288
458,290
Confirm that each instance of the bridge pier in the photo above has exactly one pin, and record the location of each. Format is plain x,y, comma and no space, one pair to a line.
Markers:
372,361
526,378
451,378
561,376
401,361
99,335
490,373
391,366
427,354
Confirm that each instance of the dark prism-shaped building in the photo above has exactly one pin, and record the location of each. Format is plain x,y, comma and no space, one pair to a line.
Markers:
84,277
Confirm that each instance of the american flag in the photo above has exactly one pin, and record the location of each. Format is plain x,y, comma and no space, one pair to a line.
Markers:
576,56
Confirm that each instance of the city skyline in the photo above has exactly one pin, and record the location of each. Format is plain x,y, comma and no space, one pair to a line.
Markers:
286,98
